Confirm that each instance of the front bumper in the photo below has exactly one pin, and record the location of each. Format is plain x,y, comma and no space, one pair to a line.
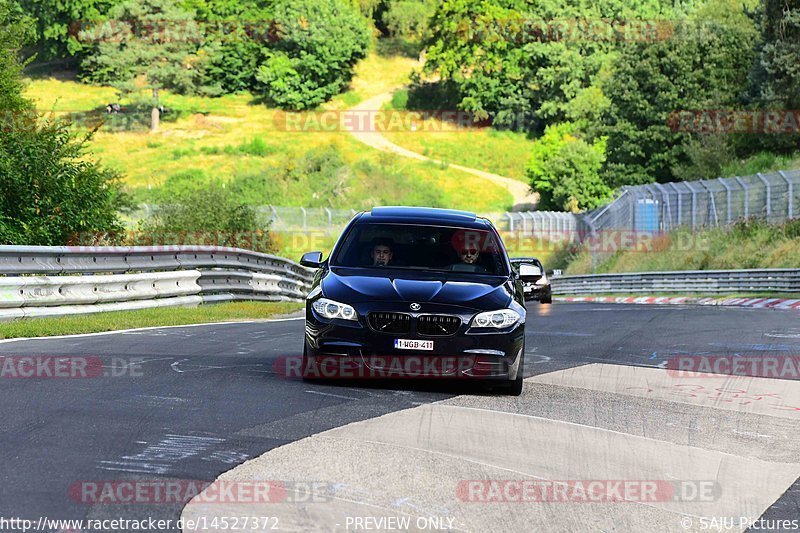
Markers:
349,349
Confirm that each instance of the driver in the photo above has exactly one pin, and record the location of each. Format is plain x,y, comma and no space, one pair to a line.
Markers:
381,252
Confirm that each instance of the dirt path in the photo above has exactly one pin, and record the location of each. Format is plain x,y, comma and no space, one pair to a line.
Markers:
520,191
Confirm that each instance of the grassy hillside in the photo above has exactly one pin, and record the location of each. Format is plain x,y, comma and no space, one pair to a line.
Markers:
235,137
502,152
748,244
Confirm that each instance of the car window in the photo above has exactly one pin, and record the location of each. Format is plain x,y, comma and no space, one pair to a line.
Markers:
416,246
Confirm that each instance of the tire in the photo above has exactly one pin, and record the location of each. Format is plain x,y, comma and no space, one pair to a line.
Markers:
546,299
304,373
514,388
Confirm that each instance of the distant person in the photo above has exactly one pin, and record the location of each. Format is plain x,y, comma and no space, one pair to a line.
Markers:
382,252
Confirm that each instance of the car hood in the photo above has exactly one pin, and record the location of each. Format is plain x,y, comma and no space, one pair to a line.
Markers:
479,292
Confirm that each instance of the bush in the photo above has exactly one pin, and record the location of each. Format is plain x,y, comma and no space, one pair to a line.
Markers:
319,43
49,191
564,170
205,214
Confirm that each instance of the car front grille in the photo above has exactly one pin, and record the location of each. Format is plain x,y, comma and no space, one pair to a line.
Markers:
438,325
390,322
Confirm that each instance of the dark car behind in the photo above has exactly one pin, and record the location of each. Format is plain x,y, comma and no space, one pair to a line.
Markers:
535,290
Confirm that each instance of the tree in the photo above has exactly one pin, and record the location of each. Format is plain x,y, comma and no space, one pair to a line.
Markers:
408,18
57,23
319,42
564,170
522,63
776,74
49,192
704,65
148,44
778,65
236,33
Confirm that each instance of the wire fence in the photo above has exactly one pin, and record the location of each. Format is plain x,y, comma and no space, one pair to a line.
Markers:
644,209
659,208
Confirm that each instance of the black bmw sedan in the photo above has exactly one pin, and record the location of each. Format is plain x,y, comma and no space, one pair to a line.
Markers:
413,292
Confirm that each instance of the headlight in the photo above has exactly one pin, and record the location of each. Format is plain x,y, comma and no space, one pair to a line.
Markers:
502,318
331,309
542,281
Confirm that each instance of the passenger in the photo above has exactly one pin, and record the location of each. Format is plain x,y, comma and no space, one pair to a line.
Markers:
469,261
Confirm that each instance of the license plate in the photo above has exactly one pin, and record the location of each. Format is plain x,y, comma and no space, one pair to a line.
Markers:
412,344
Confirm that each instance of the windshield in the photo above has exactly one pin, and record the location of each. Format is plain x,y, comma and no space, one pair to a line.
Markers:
413,246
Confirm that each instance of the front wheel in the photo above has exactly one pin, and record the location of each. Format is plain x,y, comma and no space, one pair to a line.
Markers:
546,298
514,388
305,371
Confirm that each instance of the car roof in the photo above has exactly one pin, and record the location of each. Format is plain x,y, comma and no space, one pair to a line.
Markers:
428,215
523,259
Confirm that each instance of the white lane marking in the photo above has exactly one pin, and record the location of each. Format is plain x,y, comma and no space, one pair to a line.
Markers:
200,368
329,394
174,366
163,398
752,434
150,328
542,359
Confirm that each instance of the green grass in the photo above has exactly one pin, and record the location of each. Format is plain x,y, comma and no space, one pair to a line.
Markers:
746,245
761,162
292,245
501,152
786,295
172,316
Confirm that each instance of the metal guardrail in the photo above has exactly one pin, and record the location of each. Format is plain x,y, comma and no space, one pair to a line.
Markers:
49,281
682,282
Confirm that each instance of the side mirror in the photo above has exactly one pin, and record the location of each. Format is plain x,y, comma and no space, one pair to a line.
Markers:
311,259
528,272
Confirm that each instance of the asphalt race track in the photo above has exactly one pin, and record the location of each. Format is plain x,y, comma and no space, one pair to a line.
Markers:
190,403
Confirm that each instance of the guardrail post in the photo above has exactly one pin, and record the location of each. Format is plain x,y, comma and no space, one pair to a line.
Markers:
592,241
330,220
680,202
746,195
791,192
510,222
713,204
305,223
694,204
769,193
665,198
728,195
